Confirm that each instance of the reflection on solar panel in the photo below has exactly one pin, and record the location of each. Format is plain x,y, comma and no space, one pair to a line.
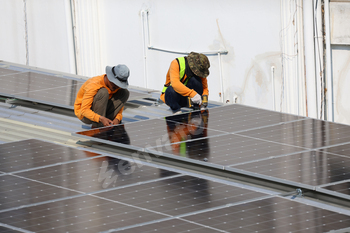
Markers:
277,146
55,188
44,88
148,134
228,149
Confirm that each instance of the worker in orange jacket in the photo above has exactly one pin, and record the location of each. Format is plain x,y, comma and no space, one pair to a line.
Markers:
100,100
186,82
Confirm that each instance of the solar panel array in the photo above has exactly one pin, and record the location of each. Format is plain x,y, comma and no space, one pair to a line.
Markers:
47,187
44,87
279,147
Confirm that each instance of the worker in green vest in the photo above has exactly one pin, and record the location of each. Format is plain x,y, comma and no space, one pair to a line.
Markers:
186,82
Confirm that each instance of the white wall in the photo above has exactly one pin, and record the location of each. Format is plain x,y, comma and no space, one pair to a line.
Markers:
248,30
340,41
109,32
49,34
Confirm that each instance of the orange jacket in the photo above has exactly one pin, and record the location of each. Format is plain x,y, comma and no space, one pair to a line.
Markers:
173,77
85,96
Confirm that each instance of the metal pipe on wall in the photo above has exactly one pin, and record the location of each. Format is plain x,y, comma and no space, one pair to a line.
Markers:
329,76
72,9
143,12
26,31
318,38
221,79
310,66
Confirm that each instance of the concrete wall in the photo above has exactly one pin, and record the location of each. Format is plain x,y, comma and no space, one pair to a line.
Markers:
340,44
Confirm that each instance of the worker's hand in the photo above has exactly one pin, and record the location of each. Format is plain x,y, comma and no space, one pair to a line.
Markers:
197,99
105,121
116,121
205,101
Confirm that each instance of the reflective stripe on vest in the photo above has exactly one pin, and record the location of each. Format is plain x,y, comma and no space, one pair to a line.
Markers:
182,68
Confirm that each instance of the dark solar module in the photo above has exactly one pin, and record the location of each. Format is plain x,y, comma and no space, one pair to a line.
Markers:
32,153
180,195
227,149
42,88
343,150
150,133
343,187
96,174
4,72
80,214
234,118
16,192
272,215
312,168
308,133
171,226
8,230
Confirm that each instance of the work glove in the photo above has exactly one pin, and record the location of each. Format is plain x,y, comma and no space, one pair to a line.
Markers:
197,99
205,101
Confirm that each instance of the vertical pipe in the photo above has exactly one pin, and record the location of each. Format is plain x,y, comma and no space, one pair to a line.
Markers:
221,81
26,31
72,8
144,47
329,76
310,66
319,58
273,86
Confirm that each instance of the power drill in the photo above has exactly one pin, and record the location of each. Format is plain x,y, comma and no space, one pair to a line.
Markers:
192,105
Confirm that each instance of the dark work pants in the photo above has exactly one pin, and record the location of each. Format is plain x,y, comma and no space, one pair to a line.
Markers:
108,108
175,101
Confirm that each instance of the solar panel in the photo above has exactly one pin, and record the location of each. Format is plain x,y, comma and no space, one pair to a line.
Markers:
272,215
101,193
45,88
18,191
4,72
235,118
308,133
343,150
180,195
288,148
33,153
228,149
42,88
311,167
95,174
343,187
148,133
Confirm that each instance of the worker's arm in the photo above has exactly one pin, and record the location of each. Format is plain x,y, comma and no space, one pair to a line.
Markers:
176,83
205,86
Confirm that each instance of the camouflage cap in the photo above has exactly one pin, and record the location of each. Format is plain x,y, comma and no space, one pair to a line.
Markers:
199,64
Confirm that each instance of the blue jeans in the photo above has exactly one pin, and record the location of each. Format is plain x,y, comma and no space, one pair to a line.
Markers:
175,101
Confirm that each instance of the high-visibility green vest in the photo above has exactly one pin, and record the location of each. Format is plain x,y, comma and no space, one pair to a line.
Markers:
182,67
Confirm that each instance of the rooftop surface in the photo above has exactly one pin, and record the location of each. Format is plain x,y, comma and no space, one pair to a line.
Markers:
228,168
